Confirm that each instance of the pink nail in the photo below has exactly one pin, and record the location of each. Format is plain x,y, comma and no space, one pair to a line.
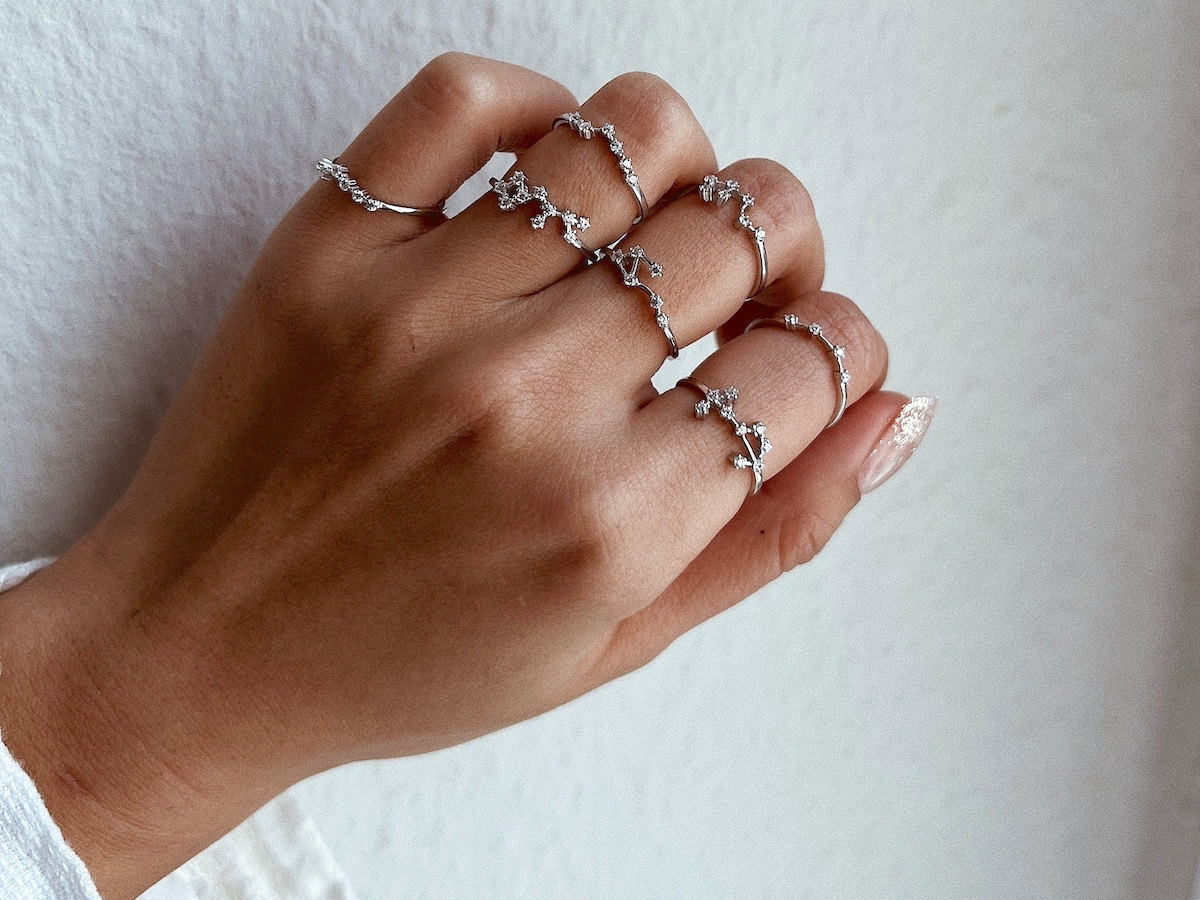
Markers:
897,444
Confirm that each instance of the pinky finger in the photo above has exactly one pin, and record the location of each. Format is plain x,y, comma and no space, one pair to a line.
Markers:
785,525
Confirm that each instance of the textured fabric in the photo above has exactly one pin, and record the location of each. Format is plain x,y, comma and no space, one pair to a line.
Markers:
35,861
11,576
276,854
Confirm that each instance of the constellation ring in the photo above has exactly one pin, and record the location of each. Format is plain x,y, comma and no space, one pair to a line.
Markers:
516,190
753,436
841,377
330,170
628,262
718,192
587,131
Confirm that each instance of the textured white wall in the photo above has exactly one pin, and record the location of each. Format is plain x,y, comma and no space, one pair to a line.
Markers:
986,686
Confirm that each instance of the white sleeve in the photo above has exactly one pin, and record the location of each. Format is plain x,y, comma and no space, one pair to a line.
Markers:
35,861
276,854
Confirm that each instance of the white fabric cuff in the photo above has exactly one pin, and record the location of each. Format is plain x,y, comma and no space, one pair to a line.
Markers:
35,862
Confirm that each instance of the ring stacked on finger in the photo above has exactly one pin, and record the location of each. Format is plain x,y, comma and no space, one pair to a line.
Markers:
331,170
841,376
713,190
587,131
627,262
515,190
723,400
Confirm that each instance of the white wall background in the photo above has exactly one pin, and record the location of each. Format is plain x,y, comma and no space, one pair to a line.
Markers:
986,686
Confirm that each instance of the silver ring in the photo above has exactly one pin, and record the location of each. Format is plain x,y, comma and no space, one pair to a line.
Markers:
587,130
722,401
714,191
628,262
515,190
330,170
841,377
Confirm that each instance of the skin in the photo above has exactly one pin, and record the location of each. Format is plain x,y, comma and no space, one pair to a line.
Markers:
418,487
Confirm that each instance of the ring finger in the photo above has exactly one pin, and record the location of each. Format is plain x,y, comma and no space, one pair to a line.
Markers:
690,268
787,380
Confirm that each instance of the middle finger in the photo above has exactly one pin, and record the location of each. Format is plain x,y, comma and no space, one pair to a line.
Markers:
500,255
706,263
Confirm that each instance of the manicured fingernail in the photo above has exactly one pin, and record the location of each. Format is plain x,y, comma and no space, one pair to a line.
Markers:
899,441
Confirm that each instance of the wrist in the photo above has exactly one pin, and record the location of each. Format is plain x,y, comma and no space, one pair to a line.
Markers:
105,715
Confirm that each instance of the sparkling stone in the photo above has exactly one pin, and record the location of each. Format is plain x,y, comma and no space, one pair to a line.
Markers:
839,352
740,462
741,430
760,234
844,377
661,320
759,428
814,329
656,269
703,408
655,302
766,447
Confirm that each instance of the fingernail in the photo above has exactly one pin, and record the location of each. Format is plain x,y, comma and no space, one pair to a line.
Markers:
899,441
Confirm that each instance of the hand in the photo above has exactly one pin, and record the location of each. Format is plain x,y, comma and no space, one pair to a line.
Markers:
419,486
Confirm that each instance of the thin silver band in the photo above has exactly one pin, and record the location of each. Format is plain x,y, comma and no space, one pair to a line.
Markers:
587,131
841,377
516,190
330,170
628,262
715,191
722,401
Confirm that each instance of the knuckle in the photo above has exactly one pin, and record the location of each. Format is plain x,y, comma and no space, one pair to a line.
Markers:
294,304
457,84
596,529
651,110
